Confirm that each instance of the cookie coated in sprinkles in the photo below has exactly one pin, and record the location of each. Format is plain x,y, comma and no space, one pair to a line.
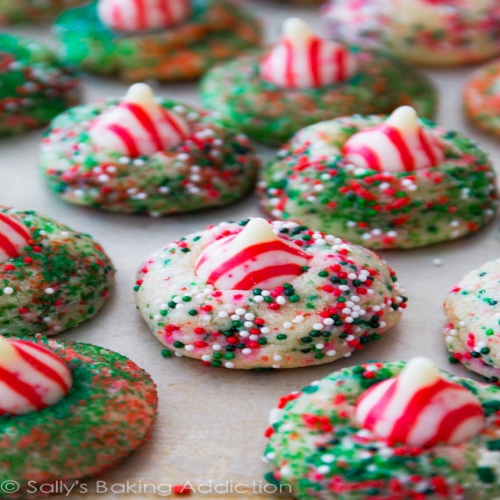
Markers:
344,299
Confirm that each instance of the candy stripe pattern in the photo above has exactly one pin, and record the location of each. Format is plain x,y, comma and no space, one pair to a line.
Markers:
14,237
254,258
303,60
398,145
139,126
419,408
31,377
142,15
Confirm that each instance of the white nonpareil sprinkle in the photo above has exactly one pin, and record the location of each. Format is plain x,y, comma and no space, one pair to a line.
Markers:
8,290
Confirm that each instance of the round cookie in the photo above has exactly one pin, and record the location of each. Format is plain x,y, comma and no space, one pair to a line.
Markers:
108,412
396,182
34,86
482,98
472,332
52,277
33,11
141,155
141,49
372,431
420,32
306,79
251,295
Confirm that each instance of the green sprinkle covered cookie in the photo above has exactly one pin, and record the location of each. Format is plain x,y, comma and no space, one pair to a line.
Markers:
51,277
34,86
473,329
396,182
142,155
150,39
388,431
256,294
306,79
67,411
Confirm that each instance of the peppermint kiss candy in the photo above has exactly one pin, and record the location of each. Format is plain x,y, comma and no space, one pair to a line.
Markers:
420,408
31,377
14,236
253,258
139,125
302,59
140,15
399,144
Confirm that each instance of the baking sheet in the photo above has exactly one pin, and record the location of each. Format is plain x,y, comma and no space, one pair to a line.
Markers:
211,422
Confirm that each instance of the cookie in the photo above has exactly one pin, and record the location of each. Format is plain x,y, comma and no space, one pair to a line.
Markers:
33,11
383,182
142,39
142,155
52,277
387,431
305,79
88,410
421,32
473,321
482,98
255,295
34,86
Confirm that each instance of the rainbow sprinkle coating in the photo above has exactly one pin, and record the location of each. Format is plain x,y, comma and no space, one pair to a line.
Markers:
316,446
472,332
308,182
62,279
242,100
24,11
107,414
346,298
213,167
34,86
218,30
426,32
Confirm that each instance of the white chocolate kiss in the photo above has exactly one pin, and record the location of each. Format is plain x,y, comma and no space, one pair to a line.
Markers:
302,60
253,258
139,125
31,377
143,15
420,408
14,237
398,144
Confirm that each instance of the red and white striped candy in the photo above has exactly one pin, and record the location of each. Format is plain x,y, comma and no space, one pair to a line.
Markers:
141,15
253,258
420,408
303,60
399,144
14,236
31,377
139,125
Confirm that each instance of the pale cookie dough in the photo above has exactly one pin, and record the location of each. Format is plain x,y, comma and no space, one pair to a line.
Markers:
472,334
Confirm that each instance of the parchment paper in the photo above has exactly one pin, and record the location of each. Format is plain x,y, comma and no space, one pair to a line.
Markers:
211,421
